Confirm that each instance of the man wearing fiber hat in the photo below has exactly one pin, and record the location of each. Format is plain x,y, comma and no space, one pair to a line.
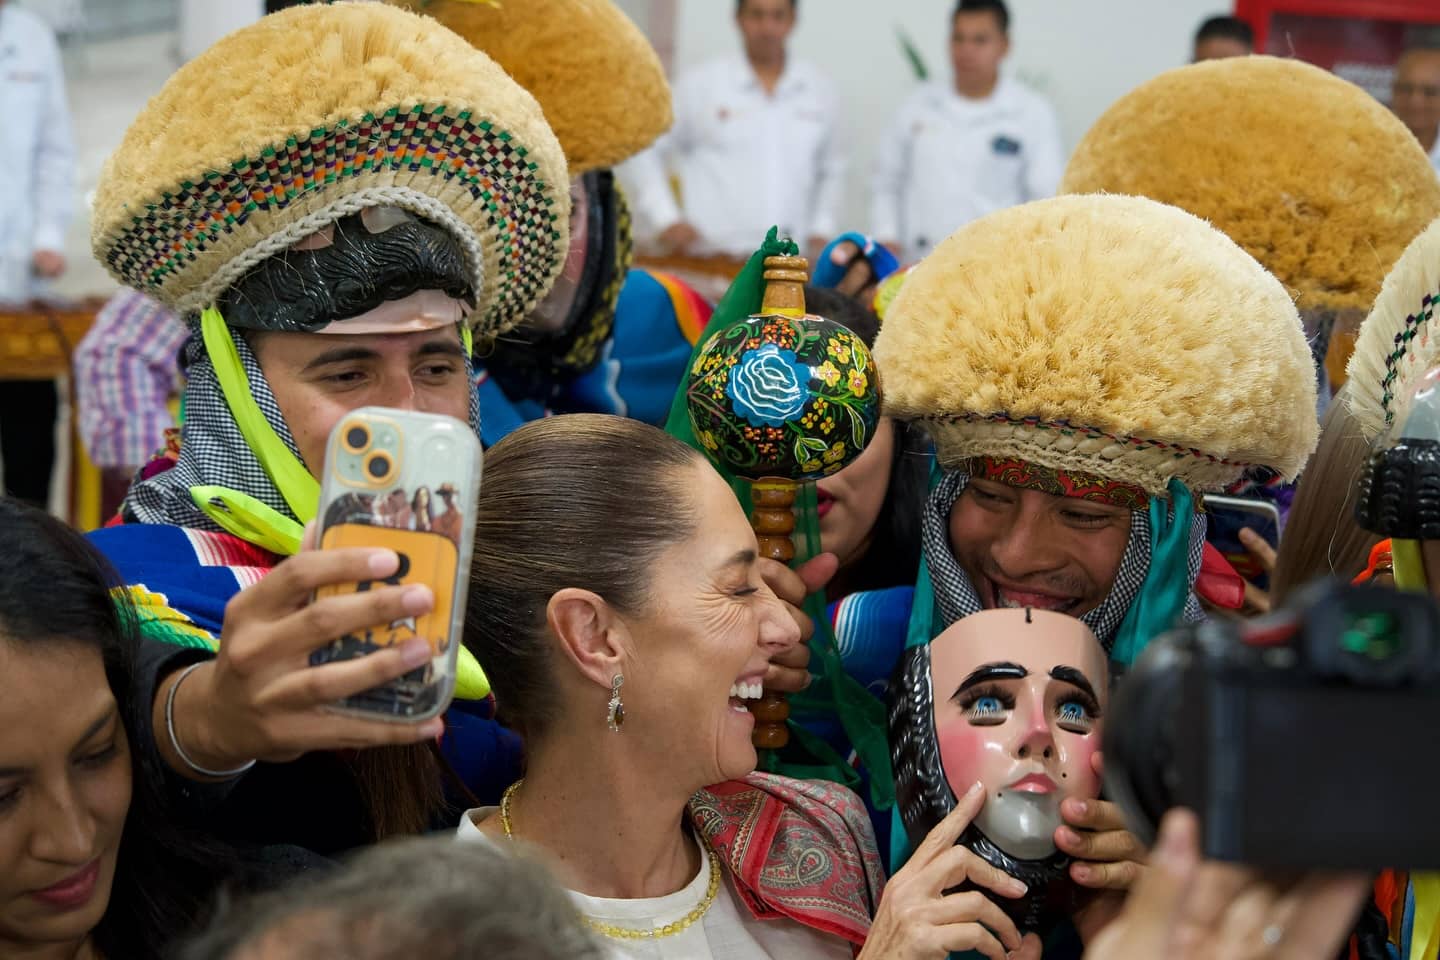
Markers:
609,338
1393,404
1307,172
336,199
1063,355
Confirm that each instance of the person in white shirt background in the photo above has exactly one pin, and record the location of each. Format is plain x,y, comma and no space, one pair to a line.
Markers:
958,151
36,188
1415,97
755,144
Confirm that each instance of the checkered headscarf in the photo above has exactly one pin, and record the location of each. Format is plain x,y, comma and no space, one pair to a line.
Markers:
955,595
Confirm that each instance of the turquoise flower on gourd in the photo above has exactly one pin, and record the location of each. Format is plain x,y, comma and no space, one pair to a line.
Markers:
769,387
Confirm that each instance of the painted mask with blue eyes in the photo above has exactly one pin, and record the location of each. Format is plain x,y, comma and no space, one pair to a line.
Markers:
1011,698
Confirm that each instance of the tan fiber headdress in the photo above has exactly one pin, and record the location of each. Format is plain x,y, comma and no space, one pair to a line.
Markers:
1307,172
596,76
1103,335
1397,344
315,113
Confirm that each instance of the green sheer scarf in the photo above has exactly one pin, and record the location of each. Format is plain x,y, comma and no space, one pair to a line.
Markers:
833,694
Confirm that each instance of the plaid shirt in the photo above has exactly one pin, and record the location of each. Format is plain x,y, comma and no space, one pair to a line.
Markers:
126,370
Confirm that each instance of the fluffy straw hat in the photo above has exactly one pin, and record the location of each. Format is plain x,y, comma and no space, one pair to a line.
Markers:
1397,344
1103,335
315,113
1307,172
596,76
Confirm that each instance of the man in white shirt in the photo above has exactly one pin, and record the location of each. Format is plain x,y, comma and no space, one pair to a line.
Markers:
36,198
1415,97
959,151
754,145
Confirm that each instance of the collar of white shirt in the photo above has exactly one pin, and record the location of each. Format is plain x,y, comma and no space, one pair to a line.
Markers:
793,79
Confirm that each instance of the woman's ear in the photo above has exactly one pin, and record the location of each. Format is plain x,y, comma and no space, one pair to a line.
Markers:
589,632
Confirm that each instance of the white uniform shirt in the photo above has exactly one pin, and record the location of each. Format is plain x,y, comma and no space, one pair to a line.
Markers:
728,931
746,160
38,173
948,160
1435,155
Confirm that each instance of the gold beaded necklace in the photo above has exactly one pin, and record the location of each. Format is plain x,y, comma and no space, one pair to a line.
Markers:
629,933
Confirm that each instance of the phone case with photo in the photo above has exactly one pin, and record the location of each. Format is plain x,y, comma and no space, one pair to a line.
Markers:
409,482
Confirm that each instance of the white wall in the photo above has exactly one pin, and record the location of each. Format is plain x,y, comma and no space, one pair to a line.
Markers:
1082,54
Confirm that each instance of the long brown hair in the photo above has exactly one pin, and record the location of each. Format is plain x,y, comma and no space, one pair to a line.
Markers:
587,501
403,788
1321,535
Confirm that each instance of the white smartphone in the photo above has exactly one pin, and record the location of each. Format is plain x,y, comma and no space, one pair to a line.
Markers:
409,482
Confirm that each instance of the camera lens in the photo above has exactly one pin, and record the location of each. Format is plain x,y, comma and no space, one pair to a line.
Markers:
378,466
357,437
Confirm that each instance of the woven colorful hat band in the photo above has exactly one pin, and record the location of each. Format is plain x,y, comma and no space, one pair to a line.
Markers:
1014,472
369,156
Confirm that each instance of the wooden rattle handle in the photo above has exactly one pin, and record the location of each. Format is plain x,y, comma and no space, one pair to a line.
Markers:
773,518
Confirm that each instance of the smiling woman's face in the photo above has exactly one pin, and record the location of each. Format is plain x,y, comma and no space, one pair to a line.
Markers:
64,793
1018,698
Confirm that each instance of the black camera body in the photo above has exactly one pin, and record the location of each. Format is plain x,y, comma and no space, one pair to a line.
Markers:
1305,739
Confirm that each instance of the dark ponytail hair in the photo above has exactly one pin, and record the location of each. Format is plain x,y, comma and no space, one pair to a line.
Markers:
56,591
583,500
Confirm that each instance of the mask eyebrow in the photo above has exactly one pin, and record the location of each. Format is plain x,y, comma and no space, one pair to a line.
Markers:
1075,678
1000,670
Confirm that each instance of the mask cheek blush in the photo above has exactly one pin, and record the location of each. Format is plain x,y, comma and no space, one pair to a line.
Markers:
1076,753
962,752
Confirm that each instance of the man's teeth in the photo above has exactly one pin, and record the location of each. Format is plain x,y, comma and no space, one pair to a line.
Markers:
745,691
1036,601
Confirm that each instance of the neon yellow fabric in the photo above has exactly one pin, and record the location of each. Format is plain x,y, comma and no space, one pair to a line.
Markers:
300,490
1409,565
247,518
1425,930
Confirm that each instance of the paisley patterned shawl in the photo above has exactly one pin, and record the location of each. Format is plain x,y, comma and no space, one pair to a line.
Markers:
802,850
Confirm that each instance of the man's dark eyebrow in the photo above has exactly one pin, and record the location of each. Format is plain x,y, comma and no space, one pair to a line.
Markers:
1075,678
1001,670
339,355
450,348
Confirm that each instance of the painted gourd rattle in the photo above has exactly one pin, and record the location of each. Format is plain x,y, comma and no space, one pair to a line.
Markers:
781,398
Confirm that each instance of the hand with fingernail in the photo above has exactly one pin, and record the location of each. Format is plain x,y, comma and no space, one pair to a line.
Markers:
918,920
787,672
260,699
1186,908
1109,859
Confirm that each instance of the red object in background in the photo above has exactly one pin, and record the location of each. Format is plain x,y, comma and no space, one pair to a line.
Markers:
1218,583
1358,40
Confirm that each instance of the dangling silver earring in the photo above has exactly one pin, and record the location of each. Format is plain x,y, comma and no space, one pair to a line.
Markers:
615,719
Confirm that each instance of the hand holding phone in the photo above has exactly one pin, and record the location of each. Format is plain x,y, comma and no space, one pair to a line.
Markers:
260,699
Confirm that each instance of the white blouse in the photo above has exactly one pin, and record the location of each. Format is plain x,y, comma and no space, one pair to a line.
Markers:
727,932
